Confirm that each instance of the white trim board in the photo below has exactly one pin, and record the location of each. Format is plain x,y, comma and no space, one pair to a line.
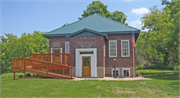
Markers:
93,61
60,52
104,50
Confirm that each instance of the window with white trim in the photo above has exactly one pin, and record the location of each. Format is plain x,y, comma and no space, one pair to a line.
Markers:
113,48
67,47
125,48
115,72
125,72
104,50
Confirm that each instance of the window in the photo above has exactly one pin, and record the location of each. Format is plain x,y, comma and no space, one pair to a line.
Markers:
104,51
67,47
86,52
125,48
125,72
56,51
117,72
112,48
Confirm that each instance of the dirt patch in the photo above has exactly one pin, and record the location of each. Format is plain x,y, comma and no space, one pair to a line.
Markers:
142,82
117,87
148,90
98,87
121,91
131,92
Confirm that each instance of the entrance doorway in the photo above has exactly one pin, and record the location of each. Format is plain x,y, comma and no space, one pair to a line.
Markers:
56,58
86,62
86,65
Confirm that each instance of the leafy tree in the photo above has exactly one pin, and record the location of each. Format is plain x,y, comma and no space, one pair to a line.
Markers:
100,8
27,44
119,16
160,42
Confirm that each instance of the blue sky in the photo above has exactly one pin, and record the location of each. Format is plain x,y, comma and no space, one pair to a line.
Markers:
19,16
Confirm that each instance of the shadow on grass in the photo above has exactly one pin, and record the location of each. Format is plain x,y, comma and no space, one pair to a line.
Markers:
175,85
161,75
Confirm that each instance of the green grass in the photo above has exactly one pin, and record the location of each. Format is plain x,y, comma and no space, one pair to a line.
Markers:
165,83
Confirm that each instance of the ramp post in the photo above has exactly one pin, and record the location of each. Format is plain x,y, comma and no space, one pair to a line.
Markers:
47,69
24,67
13,75
71,72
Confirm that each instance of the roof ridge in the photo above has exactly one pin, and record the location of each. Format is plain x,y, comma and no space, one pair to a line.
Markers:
73,22
117,22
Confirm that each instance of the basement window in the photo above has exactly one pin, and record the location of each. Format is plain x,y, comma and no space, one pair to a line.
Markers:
113,72
125,72
86,52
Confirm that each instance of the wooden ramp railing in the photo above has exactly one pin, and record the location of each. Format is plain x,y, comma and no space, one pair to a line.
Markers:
55,65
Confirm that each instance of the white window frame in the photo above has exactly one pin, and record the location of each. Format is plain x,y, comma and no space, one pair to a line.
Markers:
125,69
122,49
116,48
104,50
117,69
69,47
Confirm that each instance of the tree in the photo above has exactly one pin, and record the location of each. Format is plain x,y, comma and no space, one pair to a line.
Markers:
119,16
99,8
160,42
27,44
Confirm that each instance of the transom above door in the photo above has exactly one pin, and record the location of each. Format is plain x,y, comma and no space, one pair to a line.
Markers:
86,52
86,65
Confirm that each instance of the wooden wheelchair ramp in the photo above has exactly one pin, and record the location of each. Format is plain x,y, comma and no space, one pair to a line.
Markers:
50,74
42,64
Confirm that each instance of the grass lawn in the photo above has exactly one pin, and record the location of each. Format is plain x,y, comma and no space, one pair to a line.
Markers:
165,83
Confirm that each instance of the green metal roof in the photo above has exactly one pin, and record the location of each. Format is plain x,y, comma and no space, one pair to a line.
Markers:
94,22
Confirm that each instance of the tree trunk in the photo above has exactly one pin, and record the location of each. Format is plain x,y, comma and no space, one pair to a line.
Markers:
165,58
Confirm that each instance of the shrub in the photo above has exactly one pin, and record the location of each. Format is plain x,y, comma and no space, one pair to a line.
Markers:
20,76
28,74
167,67
10,75
139,67
176,67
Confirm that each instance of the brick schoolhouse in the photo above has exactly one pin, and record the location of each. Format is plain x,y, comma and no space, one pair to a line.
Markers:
96,44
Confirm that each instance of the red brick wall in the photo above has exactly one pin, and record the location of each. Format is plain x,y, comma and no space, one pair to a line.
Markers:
120,61
99,44
61,39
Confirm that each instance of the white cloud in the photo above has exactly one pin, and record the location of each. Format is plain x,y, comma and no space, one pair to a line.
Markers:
140,11
136,24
